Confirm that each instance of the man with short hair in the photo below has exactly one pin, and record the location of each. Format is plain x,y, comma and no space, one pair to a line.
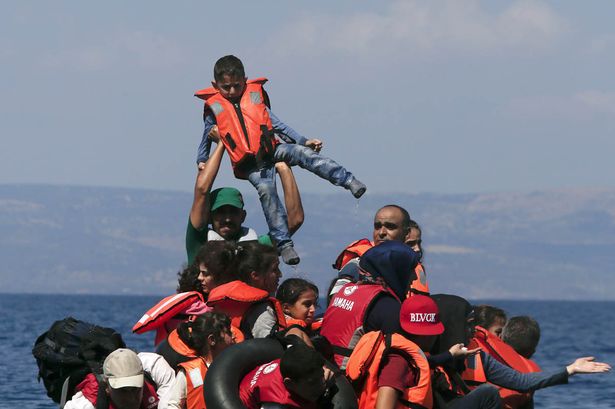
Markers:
523,334
224,207
130,381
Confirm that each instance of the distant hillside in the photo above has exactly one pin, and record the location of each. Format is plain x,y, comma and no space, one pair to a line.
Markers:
541,245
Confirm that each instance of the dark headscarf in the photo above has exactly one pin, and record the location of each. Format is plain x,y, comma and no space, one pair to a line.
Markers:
391,263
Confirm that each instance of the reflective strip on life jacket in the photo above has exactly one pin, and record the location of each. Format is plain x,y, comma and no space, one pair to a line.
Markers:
364,365
195,371
166,309
245,128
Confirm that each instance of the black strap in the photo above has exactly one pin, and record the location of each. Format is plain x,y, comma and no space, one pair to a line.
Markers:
342,350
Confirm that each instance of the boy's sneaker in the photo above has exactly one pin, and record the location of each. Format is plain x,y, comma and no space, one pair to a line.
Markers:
356,187
289,255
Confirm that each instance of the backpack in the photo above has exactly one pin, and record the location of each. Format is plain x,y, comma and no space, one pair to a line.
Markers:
70,350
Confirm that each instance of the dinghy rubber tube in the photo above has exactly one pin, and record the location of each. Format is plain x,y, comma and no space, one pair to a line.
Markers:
221,388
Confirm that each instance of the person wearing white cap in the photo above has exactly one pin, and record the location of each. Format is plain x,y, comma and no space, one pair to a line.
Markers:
130,381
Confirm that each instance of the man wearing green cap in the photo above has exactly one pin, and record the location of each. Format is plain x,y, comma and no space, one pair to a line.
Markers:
223,208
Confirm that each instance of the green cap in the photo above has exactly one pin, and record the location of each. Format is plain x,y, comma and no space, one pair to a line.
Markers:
226,196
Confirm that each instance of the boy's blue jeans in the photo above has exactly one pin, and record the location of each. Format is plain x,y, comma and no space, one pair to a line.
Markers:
264,182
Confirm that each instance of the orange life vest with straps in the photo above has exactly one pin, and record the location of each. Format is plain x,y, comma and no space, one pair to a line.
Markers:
363,368
506,355
359,247
236,298
166,309
245,126
195,371
175,351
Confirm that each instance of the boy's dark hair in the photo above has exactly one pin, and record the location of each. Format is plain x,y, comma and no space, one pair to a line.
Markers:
253,256
195,333
300,362
291,289
523,334
228,65
219,258
485,315
187,279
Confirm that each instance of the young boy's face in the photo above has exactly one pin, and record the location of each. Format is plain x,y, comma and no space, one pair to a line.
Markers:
229,87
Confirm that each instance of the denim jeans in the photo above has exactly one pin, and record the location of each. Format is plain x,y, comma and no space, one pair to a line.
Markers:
264,182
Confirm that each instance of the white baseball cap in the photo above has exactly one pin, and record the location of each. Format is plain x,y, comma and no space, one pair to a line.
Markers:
123,368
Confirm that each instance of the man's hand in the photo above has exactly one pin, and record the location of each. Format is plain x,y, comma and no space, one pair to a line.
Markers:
314,144
587,365
213,134
458,350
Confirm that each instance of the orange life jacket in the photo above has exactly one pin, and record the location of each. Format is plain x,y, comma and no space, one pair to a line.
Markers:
175,351
195,371
474,373
359,247
506,355
235,299
313,326
245,127
165,310
364,365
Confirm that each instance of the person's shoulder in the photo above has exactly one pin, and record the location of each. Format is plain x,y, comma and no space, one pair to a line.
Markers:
79,401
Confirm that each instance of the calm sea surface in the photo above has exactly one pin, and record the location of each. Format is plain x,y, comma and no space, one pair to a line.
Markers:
569,330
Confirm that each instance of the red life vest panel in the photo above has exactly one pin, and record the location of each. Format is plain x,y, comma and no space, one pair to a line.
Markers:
195,371
235,299
342,324
245,127
166,309
359,247
89,388
363,368
266,384
506,355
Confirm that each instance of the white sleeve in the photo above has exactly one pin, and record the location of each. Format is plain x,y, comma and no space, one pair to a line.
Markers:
78,401
162,375
177,394
264,322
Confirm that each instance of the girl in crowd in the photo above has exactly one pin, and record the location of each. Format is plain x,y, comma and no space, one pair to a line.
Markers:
248,301
299,299
214,265
207,336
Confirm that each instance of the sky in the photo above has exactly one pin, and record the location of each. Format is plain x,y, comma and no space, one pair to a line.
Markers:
411,96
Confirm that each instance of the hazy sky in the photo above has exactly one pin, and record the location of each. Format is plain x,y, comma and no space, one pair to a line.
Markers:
441,96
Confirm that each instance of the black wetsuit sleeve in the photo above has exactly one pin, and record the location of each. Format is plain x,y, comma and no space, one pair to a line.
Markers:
502,375
383,316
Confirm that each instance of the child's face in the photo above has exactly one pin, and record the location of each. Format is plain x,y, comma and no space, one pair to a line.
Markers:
304,308
229,87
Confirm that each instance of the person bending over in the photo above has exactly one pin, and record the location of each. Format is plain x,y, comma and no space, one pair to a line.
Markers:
297,380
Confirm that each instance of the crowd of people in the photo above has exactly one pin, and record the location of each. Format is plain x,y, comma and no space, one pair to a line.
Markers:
382,329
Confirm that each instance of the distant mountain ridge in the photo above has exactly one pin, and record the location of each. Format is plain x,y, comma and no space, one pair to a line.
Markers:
538,245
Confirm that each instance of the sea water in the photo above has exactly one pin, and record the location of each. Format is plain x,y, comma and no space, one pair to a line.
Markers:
569,330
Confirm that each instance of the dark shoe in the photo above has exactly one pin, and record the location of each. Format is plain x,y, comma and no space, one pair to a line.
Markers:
356,188
289,255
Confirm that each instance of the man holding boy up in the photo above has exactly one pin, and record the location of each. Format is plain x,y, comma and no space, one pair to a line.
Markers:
239,108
